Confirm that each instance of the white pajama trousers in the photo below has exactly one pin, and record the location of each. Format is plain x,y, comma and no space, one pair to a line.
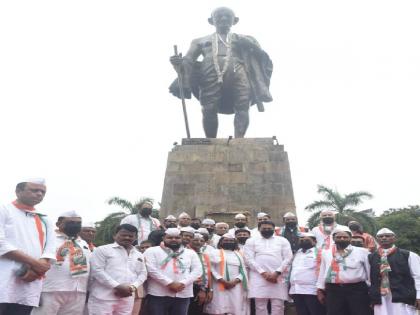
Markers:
121,306
61,303
277,306
389,308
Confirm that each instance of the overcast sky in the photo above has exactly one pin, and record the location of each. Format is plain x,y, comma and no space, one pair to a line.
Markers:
84,96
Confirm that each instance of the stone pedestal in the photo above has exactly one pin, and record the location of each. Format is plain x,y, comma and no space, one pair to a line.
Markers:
219,178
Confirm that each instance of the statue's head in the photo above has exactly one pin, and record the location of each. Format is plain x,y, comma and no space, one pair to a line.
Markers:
223,18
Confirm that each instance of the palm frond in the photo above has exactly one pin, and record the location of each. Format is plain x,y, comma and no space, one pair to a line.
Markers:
319,204
123,203
356,198
314,219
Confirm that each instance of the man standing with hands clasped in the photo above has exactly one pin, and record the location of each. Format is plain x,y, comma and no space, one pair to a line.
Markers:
26,246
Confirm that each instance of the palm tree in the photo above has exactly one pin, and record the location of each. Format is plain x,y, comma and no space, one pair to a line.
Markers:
344,206
106,227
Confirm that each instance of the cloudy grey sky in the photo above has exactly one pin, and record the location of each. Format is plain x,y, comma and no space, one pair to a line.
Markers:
84,101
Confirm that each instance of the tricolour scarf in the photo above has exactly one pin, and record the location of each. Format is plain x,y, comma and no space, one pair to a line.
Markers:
206,269
224,270
385,268
333,273
327,235
77,258
177,264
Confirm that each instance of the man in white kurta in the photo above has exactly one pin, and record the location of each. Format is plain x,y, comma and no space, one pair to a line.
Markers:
65,284
117,269
221,229
143,221
323,232
172,270
26,246
261,216
267,256
230,283
395,276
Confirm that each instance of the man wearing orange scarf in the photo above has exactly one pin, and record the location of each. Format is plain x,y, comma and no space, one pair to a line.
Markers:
26,246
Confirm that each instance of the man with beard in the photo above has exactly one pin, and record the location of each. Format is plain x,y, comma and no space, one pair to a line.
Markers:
221,229
261,216
368,240
65,284
267,256
240,223
231,281
187,234
155,237
143,221
209,224
172,271
26,247
343,274
241,236
395,277
304,275
323,231
118,269
184,220
202,288
291,231
195,223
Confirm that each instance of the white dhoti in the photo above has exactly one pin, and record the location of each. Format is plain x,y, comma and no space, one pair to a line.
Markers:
389,308
122,306
277,306
61,303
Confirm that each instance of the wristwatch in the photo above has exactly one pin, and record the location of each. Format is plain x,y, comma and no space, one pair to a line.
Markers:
133,288
278,273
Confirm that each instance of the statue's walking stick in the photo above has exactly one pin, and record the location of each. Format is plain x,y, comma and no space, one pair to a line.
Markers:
181,93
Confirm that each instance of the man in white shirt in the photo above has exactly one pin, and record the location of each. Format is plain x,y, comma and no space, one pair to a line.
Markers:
118,269
242,235
261,216
395,277
88,234
241,222
343,276
187,234
323,231
304,275
143,221
184,220
267,256
221,229
65,284
26,248
172,271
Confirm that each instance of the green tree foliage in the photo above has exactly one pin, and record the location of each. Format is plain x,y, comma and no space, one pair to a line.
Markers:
106,227
344,205
405,223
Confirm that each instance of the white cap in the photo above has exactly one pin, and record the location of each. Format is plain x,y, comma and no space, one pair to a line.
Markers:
173,232
188,229
208,221
69,214
341,228
203,231
328,211
261,215
170,217
384,231
240,216
183,215
307,234
228,235
88,225
147,203
33,180
198,235
289,214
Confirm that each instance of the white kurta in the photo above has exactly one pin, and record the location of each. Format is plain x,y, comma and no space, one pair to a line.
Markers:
233,301
144,225
267,255
18,232
303,276
322,236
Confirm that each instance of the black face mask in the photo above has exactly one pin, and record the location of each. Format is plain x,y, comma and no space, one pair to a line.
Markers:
305,244
72,228
267,234
195,225
291,225
357,244
211,230
242,240
145,212
240,225
171,225
173,246
229,246
354,227
342,244
328,220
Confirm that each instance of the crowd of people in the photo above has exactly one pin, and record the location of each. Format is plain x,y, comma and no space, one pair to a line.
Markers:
191,266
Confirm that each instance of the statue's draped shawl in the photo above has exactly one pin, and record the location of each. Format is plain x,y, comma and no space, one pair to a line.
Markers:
258,67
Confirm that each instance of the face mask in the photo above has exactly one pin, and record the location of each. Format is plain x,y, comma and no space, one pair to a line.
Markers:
229,246
357,244
242,240
211,230
267,234
240,225
173,246
171,225
145,212
72,228
306,244
291,225
354,227
195,226
342,244
328,220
